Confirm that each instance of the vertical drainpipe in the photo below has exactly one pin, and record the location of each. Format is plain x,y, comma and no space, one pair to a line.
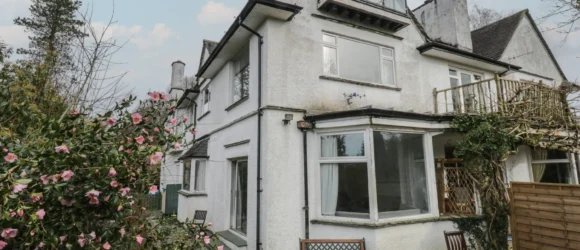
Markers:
306,207
259,160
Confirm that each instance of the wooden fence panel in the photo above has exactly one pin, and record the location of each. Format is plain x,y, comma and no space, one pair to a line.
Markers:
545,216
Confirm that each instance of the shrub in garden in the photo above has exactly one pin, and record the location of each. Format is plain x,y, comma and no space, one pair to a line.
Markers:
75,181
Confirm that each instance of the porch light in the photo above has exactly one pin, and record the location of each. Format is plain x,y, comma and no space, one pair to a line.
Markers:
288,118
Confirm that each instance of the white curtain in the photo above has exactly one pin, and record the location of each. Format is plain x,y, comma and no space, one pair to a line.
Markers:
200,176
539,154
329,177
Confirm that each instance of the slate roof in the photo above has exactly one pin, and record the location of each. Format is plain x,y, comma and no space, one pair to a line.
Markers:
197,150
492,40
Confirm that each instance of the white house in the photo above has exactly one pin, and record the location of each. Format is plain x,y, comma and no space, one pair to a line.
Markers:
319,119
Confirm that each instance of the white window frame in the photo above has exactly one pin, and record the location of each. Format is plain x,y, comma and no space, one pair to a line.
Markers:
369,159
381,58
237,68
199,164
205,100
459,83
234,164
569,160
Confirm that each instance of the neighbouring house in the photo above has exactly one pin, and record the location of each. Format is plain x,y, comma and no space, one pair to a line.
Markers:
329,119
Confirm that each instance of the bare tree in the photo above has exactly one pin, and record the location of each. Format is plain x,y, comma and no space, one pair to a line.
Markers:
567,12
93,85
480,17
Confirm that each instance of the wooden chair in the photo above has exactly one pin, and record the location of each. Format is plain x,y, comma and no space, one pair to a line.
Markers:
319,244
199,217
455,241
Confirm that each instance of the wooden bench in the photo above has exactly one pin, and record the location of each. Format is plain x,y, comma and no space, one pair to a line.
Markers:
326,244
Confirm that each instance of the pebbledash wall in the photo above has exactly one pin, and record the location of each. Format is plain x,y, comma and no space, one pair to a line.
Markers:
292,71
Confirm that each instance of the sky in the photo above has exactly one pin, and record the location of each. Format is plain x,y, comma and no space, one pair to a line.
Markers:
160,32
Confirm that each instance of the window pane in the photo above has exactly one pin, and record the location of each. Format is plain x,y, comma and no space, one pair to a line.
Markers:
465,78
388,72
387,52
330,63
344,189
453,72
400,173
552,173
186,174
400,5
343,145
359,61
200,176
241,83
329,39
239,207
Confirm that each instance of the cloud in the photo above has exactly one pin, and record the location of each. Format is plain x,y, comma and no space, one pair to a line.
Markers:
14,36
216,13
156,37
116,31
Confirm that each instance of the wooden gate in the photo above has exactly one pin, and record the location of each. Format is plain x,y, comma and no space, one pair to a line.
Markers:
545,216
171,198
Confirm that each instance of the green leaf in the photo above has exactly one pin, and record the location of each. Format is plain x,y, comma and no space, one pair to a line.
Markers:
23,181
13,196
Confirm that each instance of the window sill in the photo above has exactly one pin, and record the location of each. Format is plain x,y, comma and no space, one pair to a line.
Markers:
235,104
192,194
202,116
384,224
367,84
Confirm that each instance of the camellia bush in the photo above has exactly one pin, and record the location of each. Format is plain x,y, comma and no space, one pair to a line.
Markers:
77,181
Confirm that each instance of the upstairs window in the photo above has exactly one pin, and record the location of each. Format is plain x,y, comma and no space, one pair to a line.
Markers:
205,98
359,61
398,5
241,68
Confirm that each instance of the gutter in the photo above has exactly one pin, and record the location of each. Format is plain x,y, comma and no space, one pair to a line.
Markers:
242,16
259,158
374,112
428,46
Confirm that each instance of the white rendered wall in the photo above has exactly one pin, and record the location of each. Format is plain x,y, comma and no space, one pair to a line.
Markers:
518,166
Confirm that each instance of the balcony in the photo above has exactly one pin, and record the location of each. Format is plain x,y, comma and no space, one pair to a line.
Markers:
510,98
455,190
384,14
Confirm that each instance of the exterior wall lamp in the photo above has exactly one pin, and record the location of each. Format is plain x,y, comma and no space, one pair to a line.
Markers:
288,118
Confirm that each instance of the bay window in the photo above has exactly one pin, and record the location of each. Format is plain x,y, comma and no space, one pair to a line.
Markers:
374,174
358,61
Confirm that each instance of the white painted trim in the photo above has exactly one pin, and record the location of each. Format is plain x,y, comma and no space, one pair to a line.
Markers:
430,171
409,123
339,124
372,178
345,122
573,168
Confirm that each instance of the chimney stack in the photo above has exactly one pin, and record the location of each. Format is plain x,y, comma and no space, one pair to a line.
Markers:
177,86
446,21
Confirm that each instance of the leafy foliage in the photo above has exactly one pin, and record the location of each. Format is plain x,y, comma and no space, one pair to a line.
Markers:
486,143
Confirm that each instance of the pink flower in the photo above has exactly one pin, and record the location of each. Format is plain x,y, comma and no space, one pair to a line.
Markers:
173,121
5,150
10,158
131,203
144,131
137,118
220,247
139,239
93,235
67,203
112,172
168,130
164,97
19,187
74,112
111,121
128,151
150,138
3,244
121,148
122,231
185,119
156,158
107,198
93,195
140,140
62,239
114,184
40,213
23,174
153,189
41,245
55,178
206,240
31,233
8,233
177,145
193,131
35,198
44,179
209,224
155,96
12,214
66,175
62,148
124,191
119,208
107,246
82,242
20,212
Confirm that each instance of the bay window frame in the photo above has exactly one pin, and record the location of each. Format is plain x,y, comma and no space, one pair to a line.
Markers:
369,159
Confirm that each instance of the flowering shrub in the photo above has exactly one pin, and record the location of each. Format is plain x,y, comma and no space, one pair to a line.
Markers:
75,181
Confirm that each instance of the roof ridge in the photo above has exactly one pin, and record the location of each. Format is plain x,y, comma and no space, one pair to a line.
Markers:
521,12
